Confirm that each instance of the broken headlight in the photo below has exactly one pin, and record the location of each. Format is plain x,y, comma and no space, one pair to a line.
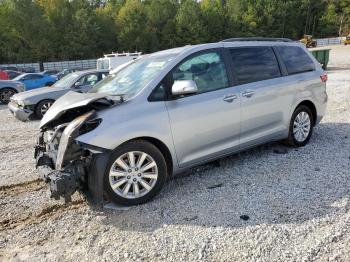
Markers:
80,125
89,125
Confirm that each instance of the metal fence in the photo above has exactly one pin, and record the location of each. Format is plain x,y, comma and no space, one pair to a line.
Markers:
329,41
81,64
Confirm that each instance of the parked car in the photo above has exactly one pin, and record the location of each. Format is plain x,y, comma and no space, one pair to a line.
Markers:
175,109
36,102
65,72
33,80
27,69
14,68
4,75
13,74
8,89
50,72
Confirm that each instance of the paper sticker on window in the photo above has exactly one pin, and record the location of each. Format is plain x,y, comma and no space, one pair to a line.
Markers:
156,64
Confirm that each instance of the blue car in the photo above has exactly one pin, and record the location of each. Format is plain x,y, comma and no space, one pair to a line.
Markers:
32,80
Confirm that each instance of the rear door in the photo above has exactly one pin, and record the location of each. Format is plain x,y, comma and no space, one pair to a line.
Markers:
303,76
206,124
264,96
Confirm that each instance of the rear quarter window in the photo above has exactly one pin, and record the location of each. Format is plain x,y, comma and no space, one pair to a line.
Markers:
251,64
295,59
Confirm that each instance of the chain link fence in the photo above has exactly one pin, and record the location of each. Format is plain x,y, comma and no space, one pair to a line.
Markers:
329,41
79,64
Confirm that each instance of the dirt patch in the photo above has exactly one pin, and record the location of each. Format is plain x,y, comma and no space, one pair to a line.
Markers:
45,213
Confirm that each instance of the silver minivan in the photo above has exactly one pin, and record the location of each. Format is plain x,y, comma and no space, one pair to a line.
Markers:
175,109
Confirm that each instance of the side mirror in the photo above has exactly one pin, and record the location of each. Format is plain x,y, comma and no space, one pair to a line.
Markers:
184,87
77,84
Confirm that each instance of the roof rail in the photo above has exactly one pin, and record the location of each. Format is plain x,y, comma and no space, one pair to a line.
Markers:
267,39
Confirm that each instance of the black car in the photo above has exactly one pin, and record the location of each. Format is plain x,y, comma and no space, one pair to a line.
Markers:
67,71
50,72
12,74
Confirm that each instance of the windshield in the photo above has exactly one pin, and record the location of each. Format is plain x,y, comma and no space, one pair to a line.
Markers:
67,81
134,77
103,64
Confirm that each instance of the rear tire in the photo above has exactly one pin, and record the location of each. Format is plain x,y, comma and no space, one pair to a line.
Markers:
49,84
129,179
5,95
42,107
300,127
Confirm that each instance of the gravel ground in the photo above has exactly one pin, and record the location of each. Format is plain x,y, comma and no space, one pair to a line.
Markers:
271,203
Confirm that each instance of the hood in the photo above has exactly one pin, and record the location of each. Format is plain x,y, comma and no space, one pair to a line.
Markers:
67,102
27,95
12,82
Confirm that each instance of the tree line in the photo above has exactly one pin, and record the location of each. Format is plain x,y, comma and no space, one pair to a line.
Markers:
54,30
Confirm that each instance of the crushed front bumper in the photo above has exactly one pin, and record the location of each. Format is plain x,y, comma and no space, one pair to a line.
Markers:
86,177
62,183
68,165
20,113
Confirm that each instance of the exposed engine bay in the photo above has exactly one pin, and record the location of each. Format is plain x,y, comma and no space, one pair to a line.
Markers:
63,162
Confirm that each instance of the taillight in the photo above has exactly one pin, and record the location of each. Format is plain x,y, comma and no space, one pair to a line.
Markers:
324,77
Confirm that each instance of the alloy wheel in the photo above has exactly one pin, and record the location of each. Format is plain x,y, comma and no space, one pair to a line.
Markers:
6,95
45,107
301,126
133,174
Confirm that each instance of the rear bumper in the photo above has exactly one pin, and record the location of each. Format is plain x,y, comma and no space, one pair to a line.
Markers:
20,113
321,107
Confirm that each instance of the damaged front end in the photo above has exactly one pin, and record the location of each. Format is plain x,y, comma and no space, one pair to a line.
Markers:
66,164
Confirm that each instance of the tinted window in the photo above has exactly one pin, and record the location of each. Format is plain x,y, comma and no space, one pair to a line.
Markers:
295,59
207,70
254,64
32,77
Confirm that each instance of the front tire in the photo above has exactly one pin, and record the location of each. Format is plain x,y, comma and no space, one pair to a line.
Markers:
301,127
5,95
136,172
42,107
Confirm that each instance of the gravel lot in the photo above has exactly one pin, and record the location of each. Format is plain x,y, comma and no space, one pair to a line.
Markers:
271,203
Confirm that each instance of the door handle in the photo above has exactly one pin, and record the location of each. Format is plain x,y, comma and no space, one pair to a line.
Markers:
248,94
229,98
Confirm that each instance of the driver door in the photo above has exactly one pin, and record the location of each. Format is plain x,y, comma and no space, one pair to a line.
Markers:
204,125
32,81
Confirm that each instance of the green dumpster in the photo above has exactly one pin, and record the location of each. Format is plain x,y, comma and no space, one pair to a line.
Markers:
322,56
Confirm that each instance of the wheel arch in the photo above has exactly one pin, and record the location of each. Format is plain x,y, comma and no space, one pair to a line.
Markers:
312,107
9,87
45,99
162,147
37,103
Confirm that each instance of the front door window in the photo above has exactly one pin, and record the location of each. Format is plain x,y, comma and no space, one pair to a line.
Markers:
206,70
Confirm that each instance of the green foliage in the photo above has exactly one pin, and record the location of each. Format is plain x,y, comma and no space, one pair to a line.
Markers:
49,30
335,19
